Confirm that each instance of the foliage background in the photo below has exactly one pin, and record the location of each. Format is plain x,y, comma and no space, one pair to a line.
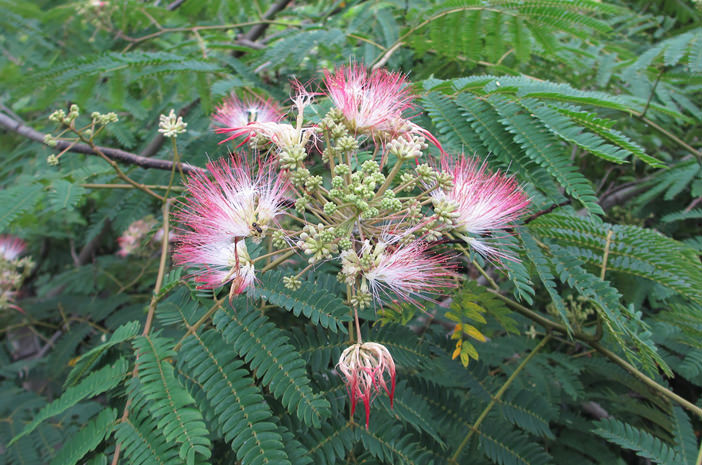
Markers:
594,106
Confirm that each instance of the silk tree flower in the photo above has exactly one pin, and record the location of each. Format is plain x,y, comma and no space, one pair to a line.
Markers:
131,238
217,263
238,116
369,102
364,366
374,103
392,269
485,202
13,270
238,201
11,247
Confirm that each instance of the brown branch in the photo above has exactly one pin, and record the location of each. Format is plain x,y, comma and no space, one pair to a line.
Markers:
111,153
258,30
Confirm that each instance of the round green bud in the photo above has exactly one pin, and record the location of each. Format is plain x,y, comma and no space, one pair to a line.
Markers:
330,208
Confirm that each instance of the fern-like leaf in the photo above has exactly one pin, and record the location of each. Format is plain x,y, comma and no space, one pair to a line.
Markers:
273,359
242,414
87,439
643,443
96,383
320,306
169,403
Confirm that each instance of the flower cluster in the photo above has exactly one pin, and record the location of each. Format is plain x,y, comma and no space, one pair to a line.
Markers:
13,270
380,213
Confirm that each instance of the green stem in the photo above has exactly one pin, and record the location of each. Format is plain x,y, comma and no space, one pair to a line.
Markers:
391,176
592,341
200,322
662,390
496,398
277,261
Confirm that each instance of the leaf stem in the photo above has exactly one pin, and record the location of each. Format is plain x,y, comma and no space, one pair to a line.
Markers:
496,398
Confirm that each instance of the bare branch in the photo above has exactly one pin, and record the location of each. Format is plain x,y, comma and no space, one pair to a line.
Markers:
258,30
114,154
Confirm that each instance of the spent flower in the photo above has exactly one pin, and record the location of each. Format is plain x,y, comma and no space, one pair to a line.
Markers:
364,367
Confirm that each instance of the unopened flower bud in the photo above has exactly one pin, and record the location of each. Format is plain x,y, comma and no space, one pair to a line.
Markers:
52,160
292,282
50,140
171,125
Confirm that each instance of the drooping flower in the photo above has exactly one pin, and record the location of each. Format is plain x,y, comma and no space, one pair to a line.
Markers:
237,116
392,269
236,202
11,247
485,202
364,366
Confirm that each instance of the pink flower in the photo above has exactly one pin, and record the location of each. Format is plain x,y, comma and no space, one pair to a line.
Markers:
237,116
370,103
374,103
130,239
237,202
11,247
364,366
486,202
218,263
392,270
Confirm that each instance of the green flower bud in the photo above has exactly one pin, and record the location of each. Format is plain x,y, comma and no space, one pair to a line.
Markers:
342,169
313,182
279,241
330,208
346,144
292,282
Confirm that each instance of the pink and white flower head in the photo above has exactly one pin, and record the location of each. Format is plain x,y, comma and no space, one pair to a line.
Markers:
217,263
237,116
374,103
485,202
130,240
11,247
371,103
364,366
236,202
393,270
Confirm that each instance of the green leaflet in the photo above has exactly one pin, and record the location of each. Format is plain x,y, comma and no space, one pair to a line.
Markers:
242,414
320,306
169,403
96,383
87,439
274,361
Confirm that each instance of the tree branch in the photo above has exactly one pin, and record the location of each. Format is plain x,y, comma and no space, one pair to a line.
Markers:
258,30
114,154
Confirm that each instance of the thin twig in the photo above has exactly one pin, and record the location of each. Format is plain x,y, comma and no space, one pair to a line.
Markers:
192,329
111,153
151,311
496,398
